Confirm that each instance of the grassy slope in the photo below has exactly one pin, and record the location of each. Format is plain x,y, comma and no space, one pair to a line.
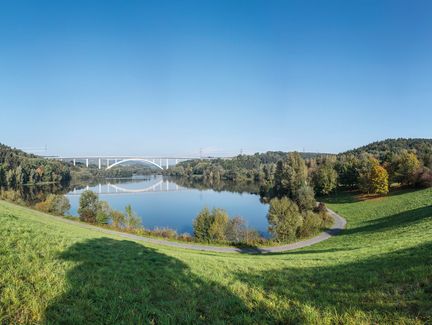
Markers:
378,270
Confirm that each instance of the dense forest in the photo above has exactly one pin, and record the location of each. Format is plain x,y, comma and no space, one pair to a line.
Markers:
384,150
370,169
257,167
20,168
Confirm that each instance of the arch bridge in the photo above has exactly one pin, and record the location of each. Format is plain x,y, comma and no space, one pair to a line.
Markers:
108,162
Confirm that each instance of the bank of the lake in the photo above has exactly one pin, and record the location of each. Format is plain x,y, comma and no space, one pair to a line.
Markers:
376,271
161,202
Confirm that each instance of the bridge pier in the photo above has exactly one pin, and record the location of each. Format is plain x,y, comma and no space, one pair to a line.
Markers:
156,161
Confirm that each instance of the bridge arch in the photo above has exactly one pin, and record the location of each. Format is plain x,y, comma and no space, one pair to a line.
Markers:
134,159
141,190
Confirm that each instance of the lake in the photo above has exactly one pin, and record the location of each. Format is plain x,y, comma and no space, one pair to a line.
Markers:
166,202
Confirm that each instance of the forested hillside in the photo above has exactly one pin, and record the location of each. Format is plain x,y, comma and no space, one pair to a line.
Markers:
258,167
19,168
372,168
385,149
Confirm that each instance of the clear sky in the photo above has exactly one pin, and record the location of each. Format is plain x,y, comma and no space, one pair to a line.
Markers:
171,77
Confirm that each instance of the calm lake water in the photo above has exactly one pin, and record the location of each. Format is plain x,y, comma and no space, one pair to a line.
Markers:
162,202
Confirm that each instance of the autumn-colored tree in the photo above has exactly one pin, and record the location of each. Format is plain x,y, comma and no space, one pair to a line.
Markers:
379,180
373,178
54,204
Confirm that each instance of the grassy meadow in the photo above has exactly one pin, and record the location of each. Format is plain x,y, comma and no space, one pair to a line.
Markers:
379,270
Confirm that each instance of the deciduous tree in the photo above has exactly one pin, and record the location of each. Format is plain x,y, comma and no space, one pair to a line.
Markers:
284,218
88,206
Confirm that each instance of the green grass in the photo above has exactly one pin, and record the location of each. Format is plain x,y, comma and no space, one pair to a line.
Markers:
379,270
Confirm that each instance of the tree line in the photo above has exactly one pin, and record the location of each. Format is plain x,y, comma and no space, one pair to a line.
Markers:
370,169
289,182
19,168
257,167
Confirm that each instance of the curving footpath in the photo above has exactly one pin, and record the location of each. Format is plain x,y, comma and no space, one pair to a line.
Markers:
338,225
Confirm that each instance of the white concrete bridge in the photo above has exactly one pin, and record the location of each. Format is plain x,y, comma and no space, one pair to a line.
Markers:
108,162
157,185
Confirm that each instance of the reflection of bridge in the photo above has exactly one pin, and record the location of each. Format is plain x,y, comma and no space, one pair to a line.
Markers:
159,186
112,161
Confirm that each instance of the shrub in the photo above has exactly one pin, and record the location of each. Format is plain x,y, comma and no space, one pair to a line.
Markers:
165,232
118,218
235,231
423,177
88,206
185,237
218,225
201,224
12,196
103,214
312,222
253,237
321,207
54,204
131,221
284,219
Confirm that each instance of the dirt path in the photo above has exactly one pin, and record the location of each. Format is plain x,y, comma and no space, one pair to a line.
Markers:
339,224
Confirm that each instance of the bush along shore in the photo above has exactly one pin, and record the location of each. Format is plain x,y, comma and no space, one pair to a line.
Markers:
286,222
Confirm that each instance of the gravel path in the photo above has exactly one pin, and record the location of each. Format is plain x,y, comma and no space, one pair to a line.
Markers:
339,224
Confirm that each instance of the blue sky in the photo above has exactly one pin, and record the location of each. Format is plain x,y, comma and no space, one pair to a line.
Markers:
171,77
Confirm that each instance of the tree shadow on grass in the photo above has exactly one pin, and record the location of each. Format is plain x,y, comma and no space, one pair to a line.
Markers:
341,197
389,287
122,282
313,251
402,219
353,196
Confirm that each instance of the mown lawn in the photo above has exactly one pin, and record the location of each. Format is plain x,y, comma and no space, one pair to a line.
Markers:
379,270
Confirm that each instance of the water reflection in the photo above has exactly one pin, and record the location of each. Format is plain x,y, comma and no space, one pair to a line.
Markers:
118,186
174,202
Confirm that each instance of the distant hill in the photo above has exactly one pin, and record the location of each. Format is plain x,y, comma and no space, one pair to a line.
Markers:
388,147
6,151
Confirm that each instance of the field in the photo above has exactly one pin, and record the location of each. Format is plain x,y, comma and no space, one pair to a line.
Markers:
379,270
